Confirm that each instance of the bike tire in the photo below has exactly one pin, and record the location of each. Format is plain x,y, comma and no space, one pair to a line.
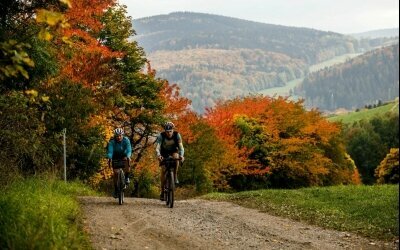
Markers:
121,185
166,196
171,188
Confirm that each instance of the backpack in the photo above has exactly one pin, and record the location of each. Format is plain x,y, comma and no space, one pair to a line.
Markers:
174,136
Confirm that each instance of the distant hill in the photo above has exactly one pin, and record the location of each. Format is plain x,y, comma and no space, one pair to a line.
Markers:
208,75
362,80
186,30
394,32
214,57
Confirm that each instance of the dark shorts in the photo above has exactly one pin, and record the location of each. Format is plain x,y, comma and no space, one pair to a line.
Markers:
119,163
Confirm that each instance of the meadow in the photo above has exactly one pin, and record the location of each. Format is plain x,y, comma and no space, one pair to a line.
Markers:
371,211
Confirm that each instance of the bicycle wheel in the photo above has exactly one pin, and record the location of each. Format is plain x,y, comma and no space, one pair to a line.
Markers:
121,186
166,196
171,188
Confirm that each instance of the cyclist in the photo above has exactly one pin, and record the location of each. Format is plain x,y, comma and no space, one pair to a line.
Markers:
119,149
169,143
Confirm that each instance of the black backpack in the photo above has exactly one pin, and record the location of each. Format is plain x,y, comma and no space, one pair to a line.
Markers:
174,136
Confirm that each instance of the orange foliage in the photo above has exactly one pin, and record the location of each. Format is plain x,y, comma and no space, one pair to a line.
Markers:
293,137
86,62
177,110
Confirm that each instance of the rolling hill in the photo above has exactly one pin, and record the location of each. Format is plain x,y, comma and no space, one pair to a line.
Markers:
360,81
212,57
394,32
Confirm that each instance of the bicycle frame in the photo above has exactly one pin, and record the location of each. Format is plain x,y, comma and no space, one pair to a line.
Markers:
120,164
169,186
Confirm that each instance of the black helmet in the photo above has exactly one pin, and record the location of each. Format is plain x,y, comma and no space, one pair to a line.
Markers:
169,126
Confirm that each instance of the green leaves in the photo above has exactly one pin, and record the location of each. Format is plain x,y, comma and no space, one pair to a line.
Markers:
15,58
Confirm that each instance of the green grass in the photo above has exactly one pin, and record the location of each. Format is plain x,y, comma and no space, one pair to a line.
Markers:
371,211
42,213
366,114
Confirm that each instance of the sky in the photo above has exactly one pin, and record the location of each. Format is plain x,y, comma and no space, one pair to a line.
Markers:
342,16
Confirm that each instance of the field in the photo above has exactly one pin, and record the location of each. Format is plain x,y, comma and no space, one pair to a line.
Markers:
366,113
371,211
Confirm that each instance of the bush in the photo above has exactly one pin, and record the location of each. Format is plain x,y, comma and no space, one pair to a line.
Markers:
388,169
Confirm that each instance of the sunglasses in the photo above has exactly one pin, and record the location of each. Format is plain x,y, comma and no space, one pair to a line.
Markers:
169,131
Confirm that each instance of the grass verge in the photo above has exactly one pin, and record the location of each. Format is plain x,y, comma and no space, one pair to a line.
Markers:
42,213
371,211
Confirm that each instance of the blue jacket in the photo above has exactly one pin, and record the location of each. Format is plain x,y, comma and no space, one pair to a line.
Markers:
119,150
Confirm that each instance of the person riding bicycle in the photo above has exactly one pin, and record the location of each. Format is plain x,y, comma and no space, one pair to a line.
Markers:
119,149
169,143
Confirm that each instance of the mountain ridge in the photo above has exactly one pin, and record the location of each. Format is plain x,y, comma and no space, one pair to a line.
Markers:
213,57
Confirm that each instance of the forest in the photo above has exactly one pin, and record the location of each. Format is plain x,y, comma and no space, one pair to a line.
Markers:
72,65
212,57
208,75
196,30
363,80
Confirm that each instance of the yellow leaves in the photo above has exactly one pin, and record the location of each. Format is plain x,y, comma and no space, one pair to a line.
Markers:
32,93
66,40
33,96
45,98
45,35
387,171
51,18
66,2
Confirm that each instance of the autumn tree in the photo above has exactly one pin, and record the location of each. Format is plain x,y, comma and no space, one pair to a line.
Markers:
280,143
388,169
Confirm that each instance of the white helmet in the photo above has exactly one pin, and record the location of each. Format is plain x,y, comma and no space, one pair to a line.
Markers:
118,131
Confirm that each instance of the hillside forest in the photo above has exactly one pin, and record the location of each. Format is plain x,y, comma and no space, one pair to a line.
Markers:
70,66
213,58
365,79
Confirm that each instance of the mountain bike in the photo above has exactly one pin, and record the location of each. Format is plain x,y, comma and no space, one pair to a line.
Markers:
169,186
121,185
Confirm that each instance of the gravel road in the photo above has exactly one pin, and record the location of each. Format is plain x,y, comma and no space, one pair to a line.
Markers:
201,224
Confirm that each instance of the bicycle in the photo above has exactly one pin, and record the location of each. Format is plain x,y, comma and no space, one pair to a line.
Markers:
121,185
169,186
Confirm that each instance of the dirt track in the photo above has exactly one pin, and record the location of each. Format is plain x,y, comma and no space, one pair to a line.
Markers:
200,224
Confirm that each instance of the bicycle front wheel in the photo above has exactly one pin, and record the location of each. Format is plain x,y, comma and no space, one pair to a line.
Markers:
121,186
171,188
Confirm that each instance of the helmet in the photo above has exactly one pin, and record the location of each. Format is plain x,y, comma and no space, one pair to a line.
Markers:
118,131
169,126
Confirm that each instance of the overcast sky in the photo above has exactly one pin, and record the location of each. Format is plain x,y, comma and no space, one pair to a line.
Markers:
343,16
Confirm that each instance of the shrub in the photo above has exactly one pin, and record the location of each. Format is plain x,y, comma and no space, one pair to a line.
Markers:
388,169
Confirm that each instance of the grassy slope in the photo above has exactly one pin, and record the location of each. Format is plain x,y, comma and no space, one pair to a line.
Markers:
366,113
39,213
371,211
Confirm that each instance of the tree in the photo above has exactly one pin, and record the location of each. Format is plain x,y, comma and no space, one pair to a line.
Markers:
281,142
368,141
388,169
